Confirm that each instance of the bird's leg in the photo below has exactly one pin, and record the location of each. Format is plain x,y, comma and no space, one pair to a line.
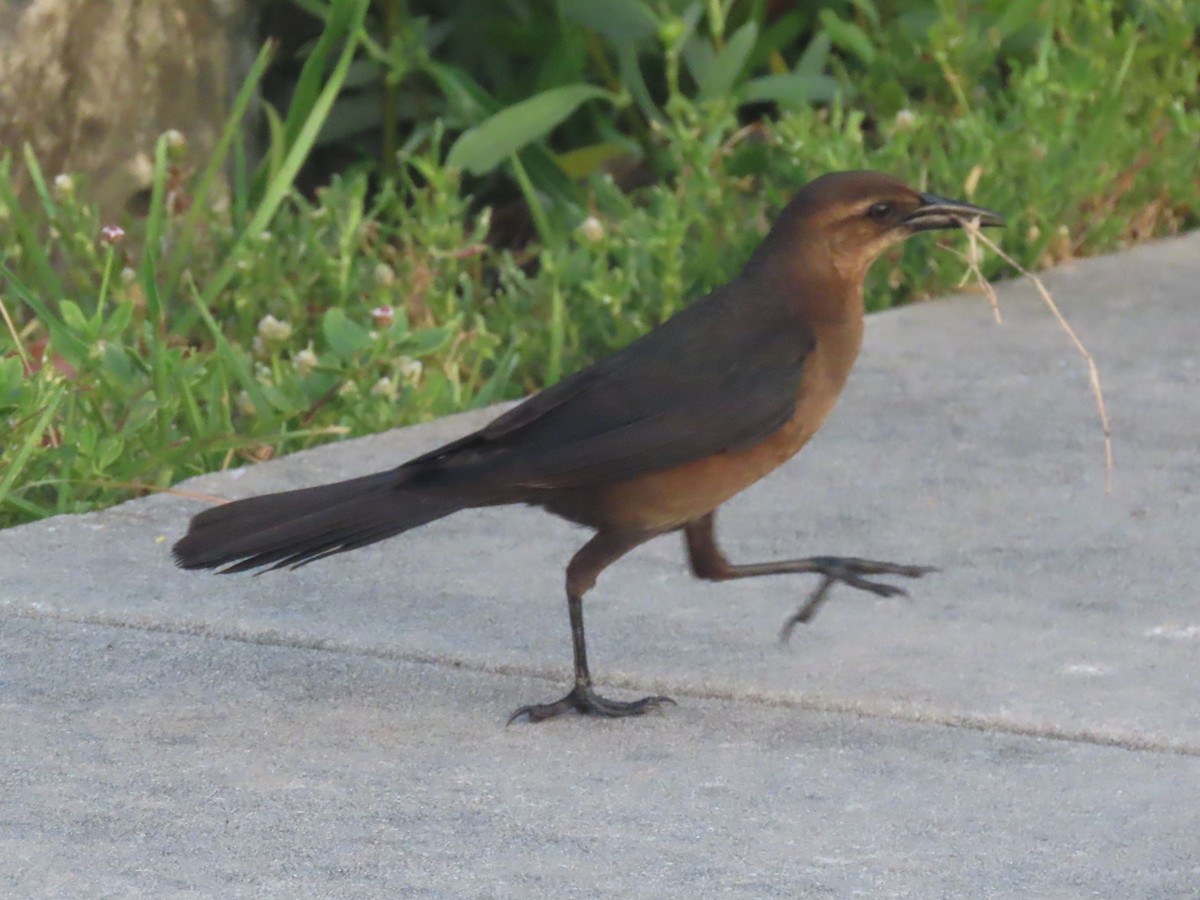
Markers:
709,563
602,550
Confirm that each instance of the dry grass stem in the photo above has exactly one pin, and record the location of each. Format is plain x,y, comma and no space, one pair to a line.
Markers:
975,236
12,329
157,489
972,258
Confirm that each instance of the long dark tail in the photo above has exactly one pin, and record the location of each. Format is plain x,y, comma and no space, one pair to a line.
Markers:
295,527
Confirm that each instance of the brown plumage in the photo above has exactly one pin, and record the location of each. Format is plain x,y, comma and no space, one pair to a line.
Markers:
649,440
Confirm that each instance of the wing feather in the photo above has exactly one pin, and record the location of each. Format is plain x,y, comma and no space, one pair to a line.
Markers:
711,379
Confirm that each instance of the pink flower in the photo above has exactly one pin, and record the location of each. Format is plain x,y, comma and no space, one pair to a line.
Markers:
383,316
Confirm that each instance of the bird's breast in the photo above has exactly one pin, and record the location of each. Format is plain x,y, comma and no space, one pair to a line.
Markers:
667,499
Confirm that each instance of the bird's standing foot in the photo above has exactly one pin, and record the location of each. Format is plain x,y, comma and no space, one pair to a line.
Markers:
850,571
587,702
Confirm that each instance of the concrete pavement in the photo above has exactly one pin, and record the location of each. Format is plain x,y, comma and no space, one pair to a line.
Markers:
1027,725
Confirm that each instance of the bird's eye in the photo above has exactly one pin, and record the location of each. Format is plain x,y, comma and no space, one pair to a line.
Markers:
878,211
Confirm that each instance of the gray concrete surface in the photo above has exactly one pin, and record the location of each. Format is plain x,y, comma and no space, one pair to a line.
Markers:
1027,725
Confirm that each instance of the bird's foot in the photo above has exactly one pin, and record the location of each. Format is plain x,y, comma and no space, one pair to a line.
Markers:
850,571
587,702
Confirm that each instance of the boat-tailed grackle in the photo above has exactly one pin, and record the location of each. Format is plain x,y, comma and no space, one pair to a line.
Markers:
649,440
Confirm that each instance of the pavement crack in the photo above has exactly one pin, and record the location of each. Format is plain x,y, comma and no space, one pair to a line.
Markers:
866,708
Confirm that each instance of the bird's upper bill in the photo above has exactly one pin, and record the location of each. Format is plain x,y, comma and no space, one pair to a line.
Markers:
938,212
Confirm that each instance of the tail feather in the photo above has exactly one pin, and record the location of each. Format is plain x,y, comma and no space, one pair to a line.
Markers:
295,527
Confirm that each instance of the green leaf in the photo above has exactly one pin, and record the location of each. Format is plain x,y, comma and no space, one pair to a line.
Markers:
279,400
118,320
341,26
699,57
235,361
791,90
778,37
815,56
424,341
157,215
74,319
584,161
493,389
867,8
108,451
120,366
482,148
848,36
12,378
565,62
465,97
280,183
344,336
25,230
725,70
62,338
635,83
32,440
623,22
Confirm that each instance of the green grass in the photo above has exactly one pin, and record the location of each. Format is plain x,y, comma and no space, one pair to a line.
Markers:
254,322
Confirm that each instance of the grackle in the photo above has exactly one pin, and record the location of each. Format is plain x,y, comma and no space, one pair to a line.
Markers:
649,440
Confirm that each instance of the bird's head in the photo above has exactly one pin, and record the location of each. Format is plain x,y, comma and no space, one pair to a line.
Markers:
846,219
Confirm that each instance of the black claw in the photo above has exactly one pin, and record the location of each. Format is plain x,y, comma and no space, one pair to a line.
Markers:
587,702
808,610
785,633
850,572
878,588
885,590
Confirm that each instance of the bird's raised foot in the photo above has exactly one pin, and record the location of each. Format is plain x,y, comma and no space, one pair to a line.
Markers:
850,571
587,702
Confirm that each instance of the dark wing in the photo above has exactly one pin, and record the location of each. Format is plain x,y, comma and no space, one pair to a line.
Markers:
722,375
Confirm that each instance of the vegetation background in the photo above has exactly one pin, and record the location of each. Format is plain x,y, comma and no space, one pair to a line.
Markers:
454,202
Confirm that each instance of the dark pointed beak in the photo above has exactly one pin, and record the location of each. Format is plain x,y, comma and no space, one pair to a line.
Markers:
938,212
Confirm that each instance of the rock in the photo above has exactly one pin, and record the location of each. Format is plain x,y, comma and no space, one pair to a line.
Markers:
91,84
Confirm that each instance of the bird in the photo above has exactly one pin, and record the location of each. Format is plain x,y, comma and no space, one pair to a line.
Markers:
649,440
